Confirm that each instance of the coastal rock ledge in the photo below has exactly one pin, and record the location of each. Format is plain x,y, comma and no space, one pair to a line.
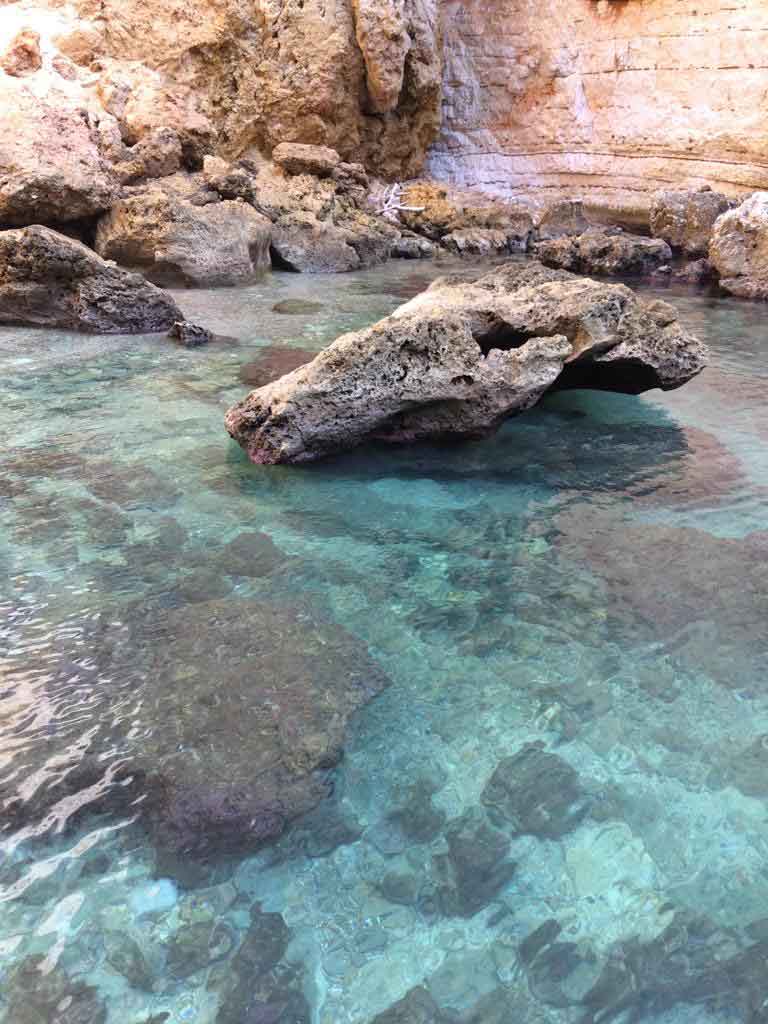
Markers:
461,357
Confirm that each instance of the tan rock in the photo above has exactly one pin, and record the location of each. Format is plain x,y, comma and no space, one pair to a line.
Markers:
296,158
739,248
23,54
685,218
169,238
563,218
440,210
607,102
604,251
477,242
51,170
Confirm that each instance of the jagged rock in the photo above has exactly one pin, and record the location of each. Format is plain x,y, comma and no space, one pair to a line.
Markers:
156,155
411,247
50,280
738,249
477,242
170,238
230,181
317,229
438,210
695,272
685,218
189,335
537,792
563,218
460,358
604,251
22,57
51,170
296,158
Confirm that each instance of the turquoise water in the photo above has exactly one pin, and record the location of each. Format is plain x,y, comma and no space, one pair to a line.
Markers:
554,811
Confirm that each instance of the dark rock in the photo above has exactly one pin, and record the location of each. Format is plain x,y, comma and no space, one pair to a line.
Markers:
400,887
272,362
412,247
126,958
416,1007
537,792
475,868
193,947
418,818
50,280
297,307
189,335
250,554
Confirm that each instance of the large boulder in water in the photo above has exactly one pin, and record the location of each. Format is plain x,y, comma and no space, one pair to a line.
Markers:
604,251
460,358
739,248
684,218
50,280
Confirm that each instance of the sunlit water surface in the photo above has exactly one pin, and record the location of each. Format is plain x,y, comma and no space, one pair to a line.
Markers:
555,811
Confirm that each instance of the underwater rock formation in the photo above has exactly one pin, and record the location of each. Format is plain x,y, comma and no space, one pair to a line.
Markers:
50,280
460,358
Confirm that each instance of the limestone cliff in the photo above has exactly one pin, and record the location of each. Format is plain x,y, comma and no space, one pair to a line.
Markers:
606,99
241,76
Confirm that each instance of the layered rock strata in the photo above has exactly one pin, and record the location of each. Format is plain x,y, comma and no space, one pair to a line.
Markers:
460,358
609,101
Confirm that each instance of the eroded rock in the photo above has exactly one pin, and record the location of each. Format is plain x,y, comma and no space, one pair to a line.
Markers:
460,358
738,249
296,158
168,238
685,218
50,280
51,170
22,56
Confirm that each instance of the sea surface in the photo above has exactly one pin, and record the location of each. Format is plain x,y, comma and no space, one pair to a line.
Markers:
556,808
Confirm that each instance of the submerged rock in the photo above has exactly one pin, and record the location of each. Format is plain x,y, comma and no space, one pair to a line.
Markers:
190,335
739,248
475,868
460,358
35,993
604,251
50,280
273,362
685,218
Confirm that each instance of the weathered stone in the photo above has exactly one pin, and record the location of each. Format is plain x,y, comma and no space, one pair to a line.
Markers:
537,792
477,242
51,170
604,251
476,867
296,158
460,358
738,249
437,210
169,238
563,219
22,56
684,219
50,280
189,335
411,247
157,154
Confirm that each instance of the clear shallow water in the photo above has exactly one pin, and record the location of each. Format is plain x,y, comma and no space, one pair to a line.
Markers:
556,809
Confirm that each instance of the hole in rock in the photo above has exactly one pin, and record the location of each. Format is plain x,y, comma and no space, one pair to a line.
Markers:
494,333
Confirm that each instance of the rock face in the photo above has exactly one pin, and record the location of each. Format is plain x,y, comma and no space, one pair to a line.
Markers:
440,212
243,76
739,248
685,219
50,280
51,170
609,101
296,158
169,238
604,251
460,358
